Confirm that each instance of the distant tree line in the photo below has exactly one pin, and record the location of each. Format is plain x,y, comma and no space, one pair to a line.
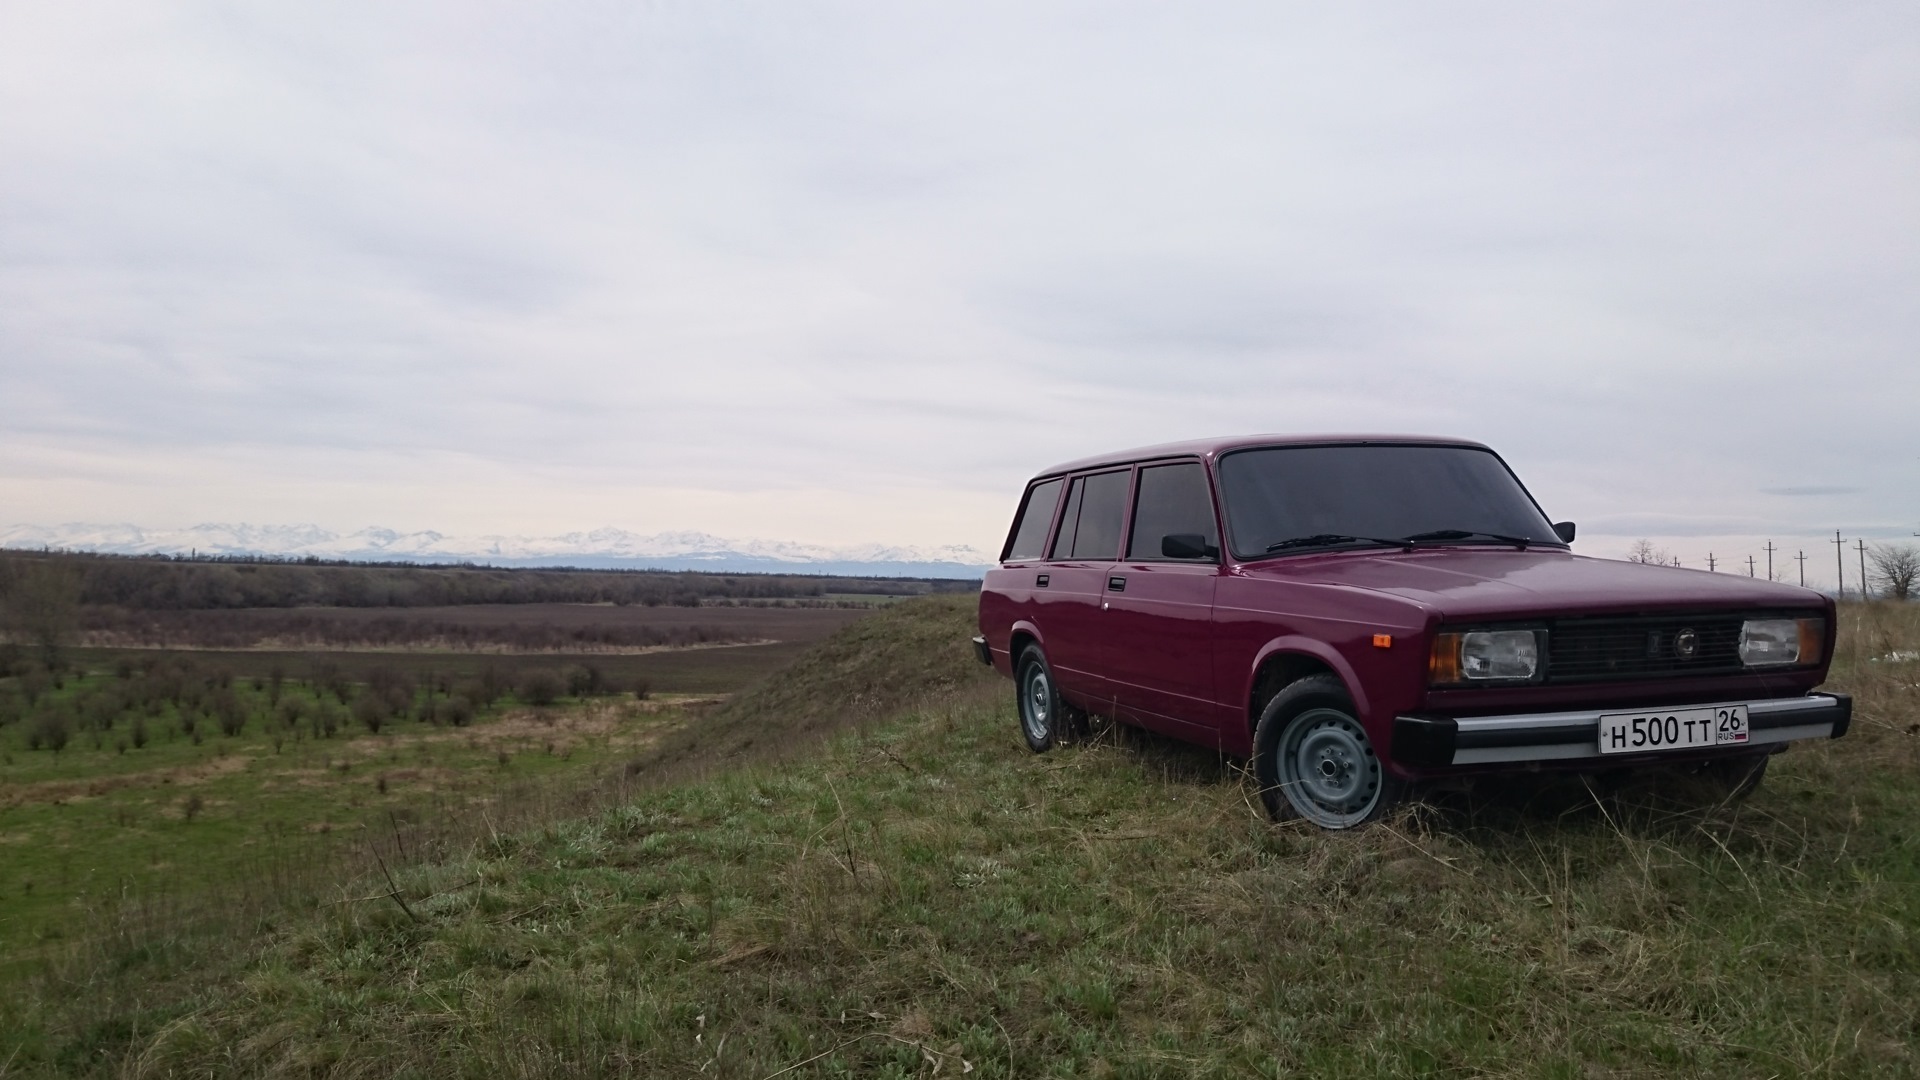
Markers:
174,584
119,627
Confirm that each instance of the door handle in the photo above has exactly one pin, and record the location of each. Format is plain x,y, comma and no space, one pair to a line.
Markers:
1116,584
1040,582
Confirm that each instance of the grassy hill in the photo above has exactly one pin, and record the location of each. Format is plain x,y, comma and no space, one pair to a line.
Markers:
857,870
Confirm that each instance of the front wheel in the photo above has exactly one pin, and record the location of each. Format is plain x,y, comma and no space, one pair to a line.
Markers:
1042,713
1314,760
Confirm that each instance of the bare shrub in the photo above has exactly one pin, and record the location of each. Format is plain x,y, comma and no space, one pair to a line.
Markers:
1895,569
138,733
228,712
49,732
371,712
394,688
1643,551
584,680
455,710
539,688
493,686
34,684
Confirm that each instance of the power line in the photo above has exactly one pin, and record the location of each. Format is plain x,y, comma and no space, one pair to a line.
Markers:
1839,566
1802,560
1749,566
1770,551
1863,568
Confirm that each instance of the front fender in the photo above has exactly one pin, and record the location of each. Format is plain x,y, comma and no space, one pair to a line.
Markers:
1300,645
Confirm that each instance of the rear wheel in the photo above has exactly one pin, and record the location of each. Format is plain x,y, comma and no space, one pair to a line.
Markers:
1042,713
1314,760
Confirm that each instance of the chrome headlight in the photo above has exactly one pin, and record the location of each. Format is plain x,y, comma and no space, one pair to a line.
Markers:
1499,654
1486,656
1774,642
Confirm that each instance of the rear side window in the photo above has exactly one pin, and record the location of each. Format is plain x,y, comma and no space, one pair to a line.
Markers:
1096,509
1030,536
1173,500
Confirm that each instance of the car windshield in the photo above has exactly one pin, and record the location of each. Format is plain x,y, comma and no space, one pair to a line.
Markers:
1282,500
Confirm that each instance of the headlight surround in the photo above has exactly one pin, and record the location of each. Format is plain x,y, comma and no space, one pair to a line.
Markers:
1780,642
1487,656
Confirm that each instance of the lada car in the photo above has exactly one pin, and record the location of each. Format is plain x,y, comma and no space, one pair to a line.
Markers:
1356,615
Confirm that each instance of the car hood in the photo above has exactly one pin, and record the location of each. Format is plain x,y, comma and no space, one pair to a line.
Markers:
1477,581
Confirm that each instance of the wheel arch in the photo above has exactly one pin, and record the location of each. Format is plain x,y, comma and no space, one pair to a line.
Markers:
1024,634
1285,661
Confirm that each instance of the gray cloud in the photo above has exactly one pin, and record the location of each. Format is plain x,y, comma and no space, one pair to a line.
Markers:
527,269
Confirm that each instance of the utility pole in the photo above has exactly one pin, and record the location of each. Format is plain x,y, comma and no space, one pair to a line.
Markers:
1802,560
1863,568
1770,551
1839,566
1710,562
1749,566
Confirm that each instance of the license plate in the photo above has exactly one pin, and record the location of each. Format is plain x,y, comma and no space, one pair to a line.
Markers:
1673,729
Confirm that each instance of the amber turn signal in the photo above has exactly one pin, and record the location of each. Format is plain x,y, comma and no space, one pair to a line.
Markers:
1443,663
1813,639
1383,641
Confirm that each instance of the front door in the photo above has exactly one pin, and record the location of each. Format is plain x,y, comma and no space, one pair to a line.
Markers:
1160,605
1068,608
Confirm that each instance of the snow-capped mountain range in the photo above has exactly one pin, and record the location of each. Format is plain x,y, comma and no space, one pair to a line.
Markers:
600,548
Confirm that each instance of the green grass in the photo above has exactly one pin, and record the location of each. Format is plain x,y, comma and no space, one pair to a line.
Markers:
920,896
194,812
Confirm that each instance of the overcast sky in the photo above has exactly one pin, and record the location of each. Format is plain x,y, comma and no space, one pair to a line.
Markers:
839,273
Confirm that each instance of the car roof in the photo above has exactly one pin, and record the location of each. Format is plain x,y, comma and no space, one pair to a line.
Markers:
1212,448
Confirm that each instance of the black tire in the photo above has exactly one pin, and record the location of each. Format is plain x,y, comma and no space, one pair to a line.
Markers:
1043,716
1313,759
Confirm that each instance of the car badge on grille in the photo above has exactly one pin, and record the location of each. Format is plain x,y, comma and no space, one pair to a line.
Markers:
1686,643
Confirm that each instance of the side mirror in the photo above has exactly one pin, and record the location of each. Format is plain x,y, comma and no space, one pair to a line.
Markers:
1187,546
1564,530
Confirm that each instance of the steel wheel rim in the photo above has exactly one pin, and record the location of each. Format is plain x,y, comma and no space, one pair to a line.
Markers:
1328,770
1036,704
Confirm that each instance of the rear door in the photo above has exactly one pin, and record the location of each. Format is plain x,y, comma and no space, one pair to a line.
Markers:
1159,618
1007,594
1067,608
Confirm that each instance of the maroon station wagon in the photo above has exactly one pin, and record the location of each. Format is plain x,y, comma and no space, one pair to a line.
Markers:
1360,614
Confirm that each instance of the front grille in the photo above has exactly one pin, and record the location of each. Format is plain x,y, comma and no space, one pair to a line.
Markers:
1591,650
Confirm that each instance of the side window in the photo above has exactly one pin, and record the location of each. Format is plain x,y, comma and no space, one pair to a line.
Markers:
1030,535
1098,517
1173,500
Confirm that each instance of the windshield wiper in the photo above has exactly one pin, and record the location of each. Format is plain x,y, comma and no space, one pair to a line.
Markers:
1463,534
1328,539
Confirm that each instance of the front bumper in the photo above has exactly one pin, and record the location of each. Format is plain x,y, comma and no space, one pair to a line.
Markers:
1434,742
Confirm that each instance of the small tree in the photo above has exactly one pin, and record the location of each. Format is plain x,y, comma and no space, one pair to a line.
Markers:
1895,568
228,712
370,711
455,710
49,732
1643,551
540,688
